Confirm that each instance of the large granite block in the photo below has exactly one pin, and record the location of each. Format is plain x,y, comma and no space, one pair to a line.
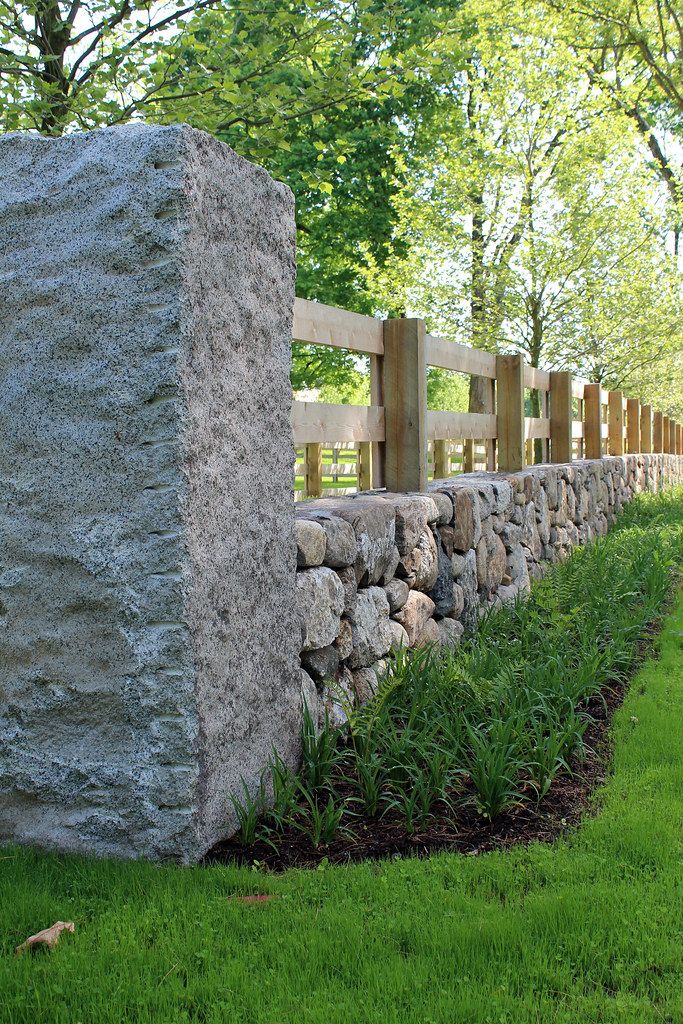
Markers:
149,640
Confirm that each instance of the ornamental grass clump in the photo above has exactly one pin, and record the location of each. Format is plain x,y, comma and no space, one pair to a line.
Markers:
493,723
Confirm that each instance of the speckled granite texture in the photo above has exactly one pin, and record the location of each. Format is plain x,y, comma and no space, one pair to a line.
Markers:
149,641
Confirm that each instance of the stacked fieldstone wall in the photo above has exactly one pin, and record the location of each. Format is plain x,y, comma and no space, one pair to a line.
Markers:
381,571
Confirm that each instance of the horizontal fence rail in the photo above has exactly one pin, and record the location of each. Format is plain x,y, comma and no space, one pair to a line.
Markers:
398,443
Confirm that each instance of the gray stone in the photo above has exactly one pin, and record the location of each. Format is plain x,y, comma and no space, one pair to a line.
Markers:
458,602
446,536
347,578
370,627
311,699
150,647
530,537
466,521
320,600
310,543
344,641
339,699
413,512
399,637
397,594
321,663
457,564
444,504
450,632
364,685
442,591
430,634
340,547
391,567
468,582
374,524
420,568
414,615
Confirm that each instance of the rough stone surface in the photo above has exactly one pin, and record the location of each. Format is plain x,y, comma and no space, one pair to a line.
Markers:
321,663
374,525
344,641
450,632
370,628
397,594
442,591
340,540
347,578
311,699
414,615
310,543
146,288
420,567
320,601
466,521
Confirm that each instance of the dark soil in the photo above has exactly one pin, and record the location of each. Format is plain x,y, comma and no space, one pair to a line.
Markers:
460,828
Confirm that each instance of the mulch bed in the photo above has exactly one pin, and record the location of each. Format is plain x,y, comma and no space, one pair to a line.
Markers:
460,829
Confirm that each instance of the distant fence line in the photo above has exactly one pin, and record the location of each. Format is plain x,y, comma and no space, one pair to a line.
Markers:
399,443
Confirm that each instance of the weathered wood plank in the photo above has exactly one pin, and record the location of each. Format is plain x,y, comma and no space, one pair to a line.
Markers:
510,412
646,428
657,432
536,427
538,380
592,421
615,423
364,466
561,416
318,324
449,355
633,425
447,426
313,480
405,405
318,422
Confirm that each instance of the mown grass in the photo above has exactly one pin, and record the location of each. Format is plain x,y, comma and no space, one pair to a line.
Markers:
588,930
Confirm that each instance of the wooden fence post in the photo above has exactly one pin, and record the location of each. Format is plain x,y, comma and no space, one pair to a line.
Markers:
679,440
615,423
592,424
633,425
672,436
440,454
561,416
510,413
364,467
377,398
313,459
646,428
405,405
666,436
657,432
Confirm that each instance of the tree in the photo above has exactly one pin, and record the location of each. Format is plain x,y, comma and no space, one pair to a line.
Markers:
538,226
633,50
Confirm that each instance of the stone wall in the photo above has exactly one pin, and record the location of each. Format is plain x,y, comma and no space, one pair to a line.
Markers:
148,653
377,571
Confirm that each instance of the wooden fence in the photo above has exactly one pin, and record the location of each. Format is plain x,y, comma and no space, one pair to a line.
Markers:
398,443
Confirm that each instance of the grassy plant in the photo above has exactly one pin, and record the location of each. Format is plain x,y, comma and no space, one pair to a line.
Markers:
319,821
320,752
494,766
249,810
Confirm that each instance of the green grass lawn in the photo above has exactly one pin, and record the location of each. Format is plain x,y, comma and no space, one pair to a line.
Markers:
588,930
